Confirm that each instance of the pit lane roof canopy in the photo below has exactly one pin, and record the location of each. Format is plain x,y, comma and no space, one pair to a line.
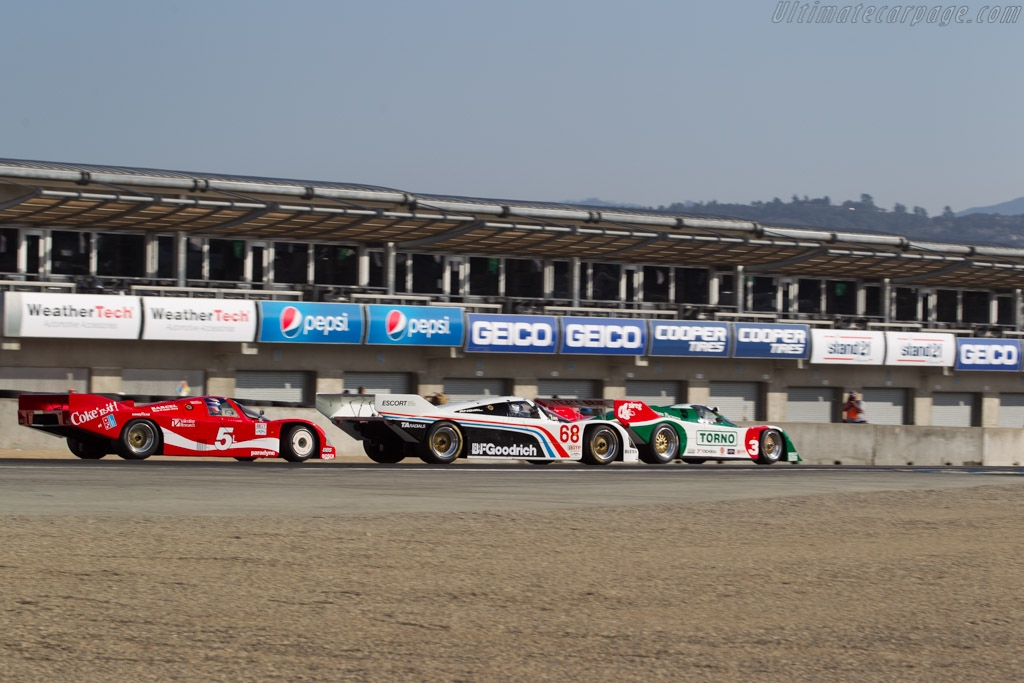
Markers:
111,199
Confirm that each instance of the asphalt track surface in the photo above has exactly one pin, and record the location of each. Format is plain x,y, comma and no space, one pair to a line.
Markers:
205,488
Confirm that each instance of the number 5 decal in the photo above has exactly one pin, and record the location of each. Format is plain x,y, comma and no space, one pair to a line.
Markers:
224,438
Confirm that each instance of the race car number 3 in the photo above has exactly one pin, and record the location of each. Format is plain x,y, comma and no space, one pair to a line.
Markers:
571,434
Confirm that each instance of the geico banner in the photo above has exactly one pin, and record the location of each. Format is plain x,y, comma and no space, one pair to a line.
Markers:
310,323
913,348
615,336
770,340
512,333
75,316
180,319
847,347
988,354
414,325
680,338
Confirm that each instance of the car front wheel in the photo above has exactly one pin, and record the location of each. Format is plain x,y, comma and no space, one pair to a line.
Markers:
444,443
771,447
298,444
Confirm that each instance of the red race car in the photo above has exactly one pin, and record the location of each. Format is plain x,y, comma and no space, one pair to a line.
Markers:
207,426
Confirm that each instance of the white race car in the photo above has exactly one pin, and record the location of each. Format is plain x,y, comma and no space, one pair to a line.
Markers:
395,426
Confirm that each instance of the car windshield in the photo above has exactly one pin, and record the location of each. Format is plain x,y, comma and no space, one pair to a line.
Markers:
250,413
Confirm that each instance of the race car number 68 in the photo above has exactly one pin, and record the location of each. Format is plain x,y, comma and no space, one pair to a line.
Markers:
567,433
224,438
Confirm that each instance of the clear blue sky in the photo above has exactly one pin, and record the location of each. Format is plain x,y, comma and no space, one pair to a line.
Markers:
651,101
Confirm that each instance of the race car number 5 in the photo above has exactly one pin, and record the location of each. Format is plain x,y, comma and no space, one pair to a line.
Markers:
567,433
224,438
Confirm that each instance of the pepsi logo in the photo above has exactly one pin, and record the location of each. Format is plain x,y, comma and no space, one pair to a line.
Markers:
395,324
291,322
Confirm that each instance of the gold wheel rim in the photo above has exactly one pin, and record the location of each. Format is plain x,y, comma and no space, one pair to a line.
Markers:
661,444
601,445
771,445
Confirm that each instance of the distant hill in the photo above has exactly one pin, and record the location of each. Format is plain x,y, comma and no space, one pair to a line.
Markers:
1014,207
594,201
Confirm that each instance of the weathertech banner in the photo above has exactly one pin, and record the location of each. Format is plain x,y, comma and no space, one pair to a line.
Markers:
847,347
414,325
310,323
180,319
72,316
914,348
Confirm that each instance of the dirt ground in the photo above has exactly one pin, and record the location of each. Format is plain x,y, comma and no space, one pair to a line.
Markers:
918,586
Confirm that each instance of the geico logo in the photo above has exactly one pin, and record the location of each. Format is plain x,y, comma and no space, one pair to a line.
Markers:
989,354
687,333
326,323
603,336
771,335
488,333
921,351
429,327
493,449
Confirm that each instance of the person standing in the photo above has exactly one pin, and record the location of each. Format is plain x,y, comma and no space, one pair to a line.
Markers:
853,409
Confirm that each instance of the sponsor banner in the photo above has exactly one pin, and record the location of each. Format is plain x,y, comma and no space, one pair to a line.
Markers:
310,323
988,354
914,348
847,347
74,316
512,333
681,338
770,340
180,319
605,336
414,325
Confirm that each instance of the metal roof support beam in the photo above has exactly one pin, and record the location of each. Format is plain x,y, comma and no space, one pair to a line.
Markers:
785,263
440,237
933,274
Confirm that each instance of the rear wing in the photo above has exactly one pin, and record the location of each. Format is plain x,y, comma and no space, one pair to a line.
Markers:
634,412
362,407
53,410
576,408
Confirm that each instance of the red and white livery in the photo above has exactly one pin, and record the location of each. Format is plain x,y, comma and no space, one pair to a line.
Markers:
205,426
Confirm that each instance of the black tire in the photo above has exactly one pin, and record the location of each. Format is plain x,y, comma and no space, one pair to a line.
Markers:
138,440
664,446
244,459
546,461
771,448
87,449
444,443
600,446
299,443
386,452
695,461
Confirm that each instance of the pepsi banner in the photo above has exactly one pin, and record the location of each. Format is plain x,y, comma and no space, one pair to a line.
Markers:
512,333
310,323
988,354
680,338
847,347
605,336
771,340
913,348
414,325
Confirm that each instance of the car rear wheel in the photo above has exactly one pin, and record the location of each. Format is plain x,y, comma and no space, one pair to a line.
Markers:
240,458
771,447
88,449
546,461
386,452
139,439
601,446
444,443
663,447
695,461
298,444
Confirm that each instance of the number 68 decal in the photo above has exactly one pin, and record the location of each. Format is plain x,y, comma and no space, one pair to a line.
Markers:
567,433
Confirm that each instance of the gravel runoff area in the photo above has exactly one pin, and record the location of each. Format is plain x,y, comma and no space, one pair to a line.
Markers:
924,585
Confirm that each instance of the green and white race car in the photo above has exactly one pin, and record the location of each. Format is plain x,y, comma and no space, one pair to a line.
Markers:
696,434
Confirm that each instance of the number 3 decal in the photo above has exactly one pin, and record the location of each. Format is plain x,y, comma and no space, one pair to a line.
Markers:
753,446
567,433
224,438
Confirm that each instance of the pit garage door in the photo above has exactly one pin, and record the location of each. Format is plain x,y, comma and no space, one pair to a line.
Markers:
1011,410
161,382
379,382
953,409
457,389
810,404
885,406
652,392
736,400
51,380
278,387
567,388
